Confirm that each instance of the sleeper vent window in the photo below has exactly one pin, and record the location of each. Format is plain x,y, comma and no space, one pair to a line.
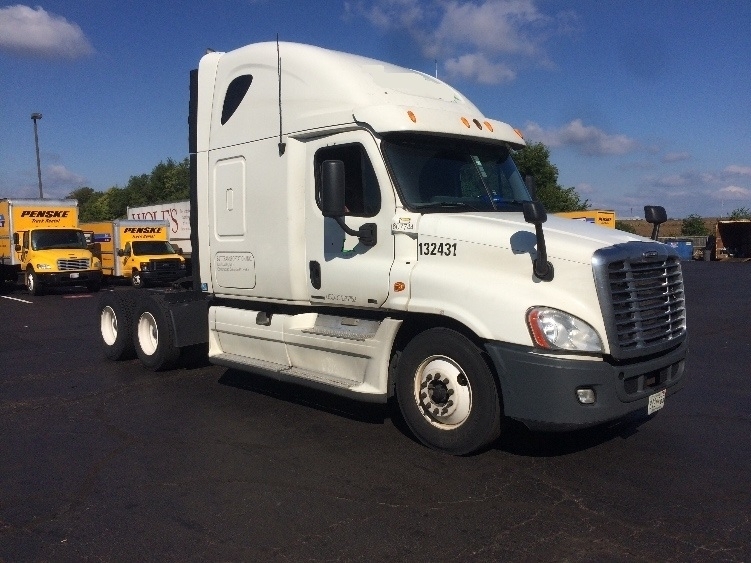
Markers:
234,96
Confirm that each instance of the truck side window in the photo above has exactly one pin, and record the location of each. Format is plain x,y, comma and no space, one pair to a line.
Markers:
362,195
234,96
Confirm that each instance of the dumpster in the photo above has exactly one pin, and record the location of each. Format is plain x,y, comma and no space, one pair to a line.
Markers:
685,248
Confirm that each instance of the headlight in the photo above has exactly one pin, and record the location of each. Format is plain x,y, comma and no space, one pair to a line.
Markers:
552,329
144,266
44,267
96,264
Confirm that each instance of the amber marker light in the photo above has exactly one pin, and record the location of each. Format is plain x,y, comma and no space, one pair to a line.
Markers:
466,122
399,286
519,133
412,116
477,124
488,126
534,328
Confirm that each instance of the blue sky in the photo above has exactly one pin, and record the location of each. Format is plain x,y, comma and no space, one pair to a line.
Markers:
640,102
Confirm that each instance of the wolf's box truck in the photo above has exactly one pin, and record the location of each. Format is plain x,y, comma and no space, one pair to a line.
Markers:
42,244
362,228
139,251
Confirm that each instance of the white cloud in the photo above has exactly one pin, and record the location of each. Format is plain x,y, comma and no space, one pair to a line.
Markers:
35,32
738,170
675,157
674,180
484,41
493,26
478,68
61,175
732,193
586,139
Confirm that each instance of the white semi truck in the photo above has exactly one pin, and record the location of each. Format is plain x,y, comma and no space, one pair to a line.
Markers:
362,228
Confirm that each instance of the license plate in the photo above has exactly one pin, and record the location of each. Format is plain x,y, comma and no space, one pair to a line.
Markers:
656,401
74,275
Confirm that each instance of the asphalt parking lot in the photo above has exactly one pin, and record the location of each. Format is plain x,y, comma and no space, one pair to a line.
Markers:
105,461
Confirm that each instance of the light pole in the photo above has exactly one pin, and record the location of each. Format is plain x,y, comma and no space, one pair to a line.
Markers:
34,117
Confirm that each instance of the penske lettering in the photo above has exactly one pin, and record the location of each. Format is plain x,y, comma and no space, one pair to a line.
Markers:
47,213
143,230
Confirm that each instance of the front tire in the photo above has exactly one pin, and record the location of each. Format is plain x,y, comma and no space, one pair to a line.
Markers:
153,338
115,326
33,284
447,393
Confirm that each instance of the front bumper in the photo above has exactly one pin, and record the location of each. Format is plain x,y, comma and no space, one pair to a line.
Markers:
162,276
69,278
540,391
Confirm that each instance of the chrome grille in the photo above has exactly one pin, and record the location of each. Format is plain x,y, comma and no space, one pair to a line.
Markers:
641,293
65,265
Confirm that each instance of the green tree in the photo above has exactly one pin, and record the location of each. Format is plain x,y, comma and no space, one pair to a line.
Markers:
626,227
740,213
693,226
82,195
534,160
168,181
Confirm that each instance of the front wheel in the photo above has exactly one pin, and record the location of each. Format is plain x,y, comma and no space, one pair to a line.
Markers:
153,337
33,284
447,393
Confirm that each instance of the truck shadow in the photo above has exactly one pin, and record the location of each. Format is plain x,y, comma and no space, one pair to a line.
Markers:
299,395
517,439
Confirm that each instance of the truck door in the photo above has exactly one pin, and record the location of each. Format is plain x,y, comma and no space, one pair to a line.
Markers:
127,253
25,247
341,269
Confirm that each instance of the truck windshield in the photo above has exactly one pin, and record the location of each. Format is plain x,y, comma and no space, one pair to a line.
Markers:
44,239
437,174
151,247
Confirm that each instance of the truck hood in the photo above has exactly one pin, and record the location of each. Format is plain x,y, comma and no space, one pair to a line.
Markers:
565,239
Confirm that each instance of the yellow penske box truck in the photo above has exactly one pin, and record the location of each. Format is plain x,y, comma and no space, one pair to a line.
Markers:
136,250
596,216
41,243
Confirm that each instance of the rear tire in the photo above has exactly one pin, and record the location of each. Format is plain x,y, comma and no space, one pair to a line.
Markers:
447,393
115,326
153,338
33,284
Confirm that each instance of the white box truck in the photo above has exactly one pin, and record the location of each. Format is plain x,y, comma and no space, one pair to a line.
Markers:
362,228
